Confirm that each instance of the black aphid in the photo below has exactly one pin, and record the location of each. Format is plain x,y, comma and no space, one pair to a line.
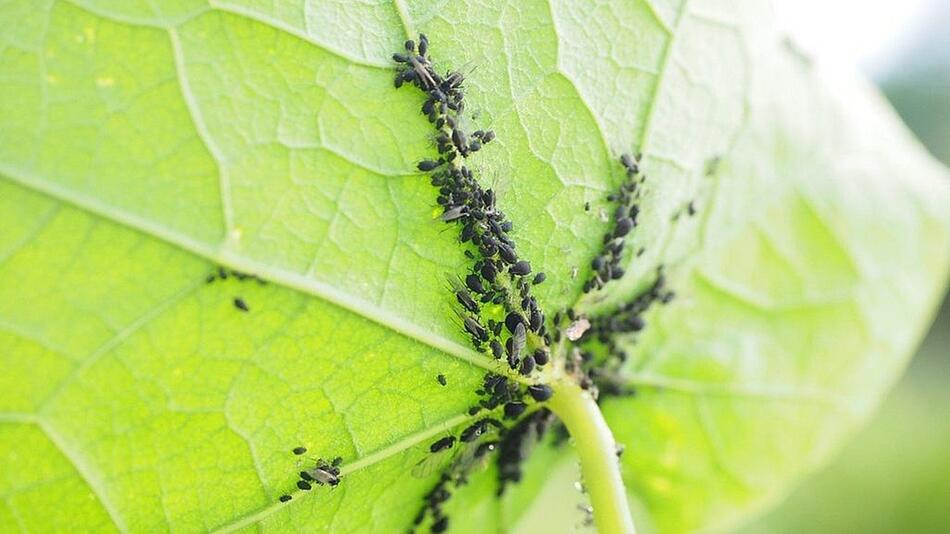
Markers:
427,165
285,498
539,278
512,320
442,444
540,392
476,330
441,379
527,365
623,227
520,268
474,283
473,432
466,301
240,304
541,357
514,409
496,349
299,450
440,525
304,485
507,253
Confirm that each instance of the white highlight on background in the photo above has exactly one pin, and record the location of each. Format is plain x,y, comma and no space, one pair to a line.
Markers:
866,33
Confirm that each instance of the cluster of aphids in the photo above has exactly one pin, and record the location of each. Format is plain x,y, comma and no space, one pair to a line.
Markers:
497,310
518,444
322,473
606,266
628,318
499,277
223,274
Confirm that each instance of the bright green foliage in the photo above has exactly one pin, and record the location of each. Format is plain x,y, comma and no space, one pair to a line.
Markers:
143,143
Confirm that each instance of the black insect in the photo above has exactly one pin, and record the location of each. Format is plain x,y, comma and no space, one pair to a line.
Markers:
441,379
488,271
299,450
514,409
476,330
285,498
527,365
323,475
496,349
240,304
629,163
473,432
539,278
475,284
466,301
598,263
507,253
304,485
623,227
428,165
520,268
541,357
442,444
453,213
540,392
440,525
512,320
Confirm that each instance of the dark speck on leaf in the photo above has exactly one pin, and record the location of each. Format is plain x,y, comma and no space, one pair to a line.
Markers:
240,304
441,379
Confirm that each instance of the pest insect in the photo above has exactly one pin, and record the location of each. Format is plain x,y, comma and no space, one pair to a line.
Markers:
299,450
541,357
441,444
520,268
240,304
527,365
623,227
466,301
285,498
441,379
324,473
539,278
475,284
512,320
540,392
477,331
496,349
428,165
514,409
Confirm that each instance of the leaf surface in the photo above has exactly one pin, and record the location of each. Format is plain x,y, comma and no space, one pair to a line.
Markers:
143,144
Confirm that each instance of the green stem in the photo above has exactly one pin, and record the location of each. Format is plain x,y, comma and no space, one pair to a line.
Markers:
597,452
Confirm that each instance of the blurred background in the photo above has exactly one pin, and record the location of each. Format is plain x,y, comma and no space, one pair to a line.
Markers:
894,476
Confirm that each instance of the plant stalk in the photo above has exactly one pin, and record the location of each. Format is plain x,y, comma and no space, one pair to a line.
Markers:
597,452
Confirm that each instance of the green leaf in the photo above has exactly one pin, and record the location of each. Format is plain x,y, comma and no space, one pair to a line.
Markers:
143,143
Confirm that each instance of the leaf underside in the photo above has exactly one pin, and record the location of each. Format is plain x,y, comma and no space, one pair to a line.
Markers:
142,144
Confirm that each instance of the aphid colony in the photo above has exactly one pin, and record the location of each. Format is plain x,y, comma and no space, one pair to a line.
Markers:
606,266
496,308
499,279
320,473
